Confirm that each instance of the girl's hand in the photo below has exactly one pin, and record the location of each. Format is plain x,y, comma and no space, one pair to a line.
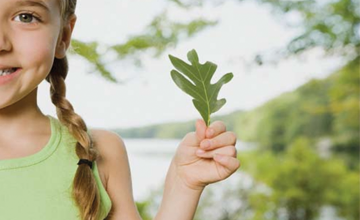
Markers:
206,156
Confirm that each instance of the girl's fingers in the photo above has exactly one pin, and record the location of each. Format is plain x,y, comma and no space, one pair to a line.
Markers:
231,164
214,132
228,150
215,128
224,139
194,138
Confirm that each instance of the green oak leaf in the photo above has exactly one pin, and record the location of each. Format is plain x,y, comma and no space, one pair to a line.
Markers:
195,81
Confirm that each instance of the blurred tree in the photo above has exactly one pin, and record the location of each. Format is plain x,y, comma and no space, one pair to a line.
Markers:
143,207
333,25
160,34
345,108
322,109
301,184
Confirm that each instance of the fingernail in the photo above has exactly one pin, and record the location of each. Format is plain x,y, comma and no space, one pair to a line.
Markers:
199,151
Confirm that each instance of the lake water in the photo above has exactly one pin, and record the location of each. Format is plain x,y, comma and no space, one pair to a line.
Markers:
149,161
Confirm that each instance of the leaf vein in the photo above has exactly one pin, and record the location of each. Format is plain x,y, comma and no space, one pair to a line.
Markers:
190,71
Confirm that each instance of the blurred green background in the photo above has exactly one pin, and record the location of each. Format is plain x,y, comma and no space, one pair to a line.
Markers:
305,165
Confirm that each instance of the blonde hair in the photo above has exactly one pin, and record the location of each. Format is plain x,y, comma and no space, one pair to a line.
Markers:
85,191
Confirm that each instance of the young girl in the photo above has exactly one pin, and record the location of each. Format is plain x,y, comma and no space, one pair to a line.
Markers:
58,169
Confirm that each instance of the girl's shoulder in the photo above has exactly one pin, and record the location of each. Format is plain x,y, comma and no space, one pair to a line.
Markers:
109,145
114,171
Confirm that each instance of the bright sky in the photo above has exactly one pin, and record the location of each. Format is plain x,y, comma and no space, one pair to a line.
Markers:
151,96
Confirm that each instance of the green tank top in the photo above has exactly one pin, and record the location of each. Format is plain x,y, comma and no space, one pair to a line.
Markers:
38,187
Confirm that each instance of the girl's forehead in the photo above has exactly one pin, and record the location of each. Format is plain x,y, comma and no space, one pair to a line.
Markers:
44,4
48,5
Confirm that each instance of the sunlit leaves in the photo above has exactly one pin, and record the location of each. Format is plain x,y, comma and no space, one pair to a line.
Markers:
160,34
90,53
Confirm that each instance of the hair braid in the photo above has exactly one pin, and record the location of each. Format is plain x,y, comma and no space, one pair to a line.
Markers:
85,191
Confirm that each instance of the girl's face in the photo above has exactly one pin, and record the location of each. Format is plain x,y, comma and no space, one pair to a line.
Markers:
30,37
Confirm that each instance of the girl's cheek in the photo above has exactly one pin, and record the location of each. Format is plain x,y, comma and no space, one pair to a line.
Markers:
37,48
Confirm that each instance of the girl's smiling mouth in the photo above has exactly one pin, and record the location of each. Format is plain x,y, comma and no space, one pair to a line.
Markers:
7,74
8,71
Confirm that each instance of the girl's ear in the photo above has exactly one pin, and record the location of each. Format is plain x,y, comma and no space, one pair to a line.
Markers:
65,37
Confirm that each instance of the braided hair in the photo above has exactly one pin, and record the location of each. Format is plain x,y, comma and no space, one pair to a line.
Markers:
84,191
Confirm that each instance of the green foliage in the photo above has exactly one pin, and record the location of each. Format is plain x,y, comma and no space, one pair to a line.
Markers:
331,25
346,196
142,207
204,93
272,128
327,108
302,183
300,113
158,36
345,96
89,52
188,4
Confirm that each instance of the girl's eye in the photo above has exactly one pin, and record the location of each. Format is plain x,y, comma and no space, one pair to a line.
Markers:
26,18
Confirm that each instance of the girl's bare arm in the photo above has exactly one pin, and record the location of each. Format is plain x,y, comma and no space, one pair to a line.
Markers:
187,176
178,202
115,163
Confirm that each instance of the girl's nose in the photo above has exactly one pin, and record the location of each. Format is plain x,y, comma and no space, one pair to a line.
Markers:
5,44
